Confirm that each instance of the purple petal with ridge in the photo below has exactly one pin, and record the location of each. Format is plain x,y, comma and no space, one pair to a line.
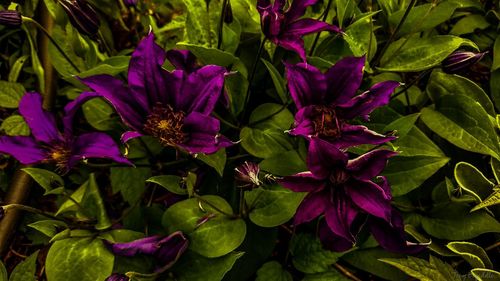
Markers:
41,122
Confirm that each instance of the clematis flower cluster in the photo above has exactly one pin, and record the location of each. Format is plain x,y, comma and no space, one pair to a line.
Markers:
349,193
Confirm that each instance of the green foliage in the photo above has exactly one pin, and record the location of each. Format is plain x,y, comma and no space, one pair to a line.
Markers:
193,267
435,270
273,271
26,270
309,255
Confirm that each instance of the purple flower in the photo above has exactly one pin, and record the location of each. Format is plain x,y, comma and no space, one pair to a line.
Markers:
326,101
82,16
130,3
10,18
341,189
48,145
284,28
460,61
173,107
166,250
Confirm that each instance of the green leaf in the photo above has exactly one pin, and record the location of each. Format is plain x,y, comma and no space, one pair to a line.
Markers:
216,160
35,61
495,167
360,36
210,55
216,237
278,81
420,269
421,53
470,179
309,255
10,94
3,272
472,253
495,85
48,227
26,270
100,114
16,70
15,125
45,178
170,182
368,260
78,259
284,164
402,125
326,276
496,55
273,271
111,66
194,267
198,25
129,181
463,122
469,24
482,274
493,199
445,269
92,202
441,84
433,245
273,205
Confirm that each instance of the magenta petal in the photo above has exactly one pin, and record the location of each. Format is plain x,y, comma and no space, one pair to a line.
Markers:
344,79
298,8
369,197
311,207
203,134
364,104
148,246
302,182
340,216
384,184
369,165
170,249
333,242
324,157
130,135
353,135
42,123
307,26
292,43
182,60
306,83
24,149
146,77
96,145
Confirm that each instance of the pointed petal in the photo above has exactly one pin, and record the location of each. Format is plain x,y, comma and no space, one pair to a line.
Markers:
344,79
182,60
170,249
324,157
339,216
298,8
369,197
362,105
369,165
306,83
304,126
292,43
333,242
24,149
96,145
203,134
42,123
311,207
130,135
302,182
384,184
353,135
307,26
146,77
147,245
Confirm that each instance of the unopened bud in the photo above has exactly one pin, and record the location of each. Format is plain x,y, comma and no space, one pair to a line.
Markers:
247,174
459,61
10,18
82,16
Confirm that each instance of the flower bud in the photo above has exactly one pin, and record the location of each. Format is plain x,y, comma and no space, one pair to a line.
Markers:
82,16
459,61
10,18
247,174
117,277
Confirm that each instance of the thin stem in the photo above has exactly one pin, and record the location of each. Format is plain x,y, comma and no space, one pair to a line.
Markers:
491,247
288,250
252,75
408,85
346,272
104,43
242,202
376,61
201,199
221,23
230,125
316,39
10,207
41,28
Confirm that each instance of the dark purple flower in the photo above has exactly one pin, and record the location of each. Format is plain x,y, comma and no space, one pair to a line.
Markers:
285,28
117,277
166,250
247,174
10,18
130,3
183,60
82,16
173,107
460,61
340,188
326,101
49,145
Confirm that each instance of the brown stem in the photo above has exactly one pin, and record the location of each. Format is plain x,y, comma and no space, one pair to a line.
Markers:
346,272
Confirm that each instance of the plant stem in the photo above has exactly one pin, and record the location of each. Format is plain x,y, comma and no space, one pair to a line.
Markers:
10,207
376,61
346,272
221,23
46,32
408,85
316,38
252,75
104,43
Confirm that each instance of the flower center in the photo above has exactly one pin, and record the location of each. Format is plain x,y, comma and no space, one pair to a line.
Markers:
326,123
339,177
166,124
59,154
272,23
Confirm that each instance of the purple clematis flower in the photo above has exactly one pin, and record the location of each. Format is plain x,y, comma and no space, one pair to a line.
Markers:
48,145
166,250
326,101
341,189
284,28
173,107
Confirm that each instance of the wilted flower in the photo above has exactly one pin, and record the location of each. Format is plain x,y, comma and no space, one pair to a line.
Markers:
326,101
117,277
459,61
341,189
48,145
247,174
284,28
10,18
173,107
82,16
166,250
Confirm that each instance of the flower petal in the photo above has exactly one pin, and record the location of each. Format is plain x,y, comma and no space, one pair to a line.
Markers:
307,26
302,182
332,241
304,126
293,43
203,134
369,165
353,135
182,60
306,83
324,157
369,197
340,215
344,79
24,149
146,77
311,207
298,8
147,245
96,145
170,249
42,123
130,135
364,104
